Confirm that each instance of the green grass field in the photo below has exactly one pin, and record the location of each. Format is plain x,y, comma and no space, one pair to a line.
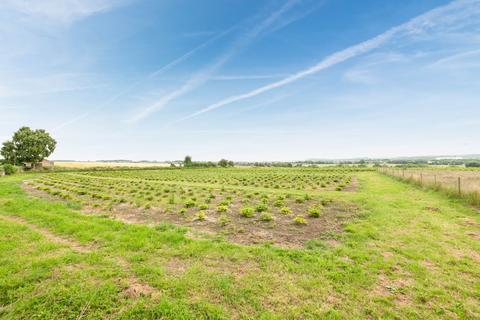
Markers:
405,253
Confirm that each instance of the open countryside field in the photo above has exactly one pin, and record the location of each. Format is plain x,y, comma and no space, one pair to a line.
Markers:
282,206
103,164
235,243
232,159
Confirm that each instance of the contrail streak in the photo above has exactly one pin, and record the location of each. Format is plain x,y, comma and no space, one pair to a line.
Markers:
412,26
204,75
141,81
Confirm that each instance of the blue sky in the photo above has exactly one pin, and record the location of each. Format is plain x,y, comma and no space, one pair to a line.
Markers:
243,79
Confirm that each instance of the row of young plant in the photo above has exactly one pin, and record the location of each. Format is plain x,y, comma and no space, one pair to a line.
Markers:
298,179
107,194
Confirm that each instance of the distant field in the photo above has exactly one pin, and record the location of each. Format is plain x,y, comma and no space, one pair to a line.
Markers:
236,243
99,164
464,182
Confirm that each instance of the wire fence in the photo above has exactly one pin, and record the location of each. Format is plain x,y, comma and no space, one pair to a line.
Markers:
464,184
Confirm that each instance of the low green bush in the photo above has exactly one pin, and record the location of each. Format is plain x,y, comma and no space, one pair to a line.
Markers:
247,212
9,169
200,215
222,208
266,217
190,203
314,211
261,207
299,220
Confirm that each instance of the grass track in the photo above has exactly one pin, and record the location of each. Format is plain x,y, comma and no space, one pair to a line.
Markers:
412,254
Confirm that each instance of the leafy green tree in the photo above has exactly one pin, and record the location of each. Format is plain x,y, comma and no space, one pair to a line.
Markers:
225,163
188,161
28,145
8,152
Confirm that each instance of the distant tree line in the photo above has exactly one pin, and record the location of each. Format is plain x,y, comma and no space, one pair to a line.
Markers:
473,164
273,164
223,163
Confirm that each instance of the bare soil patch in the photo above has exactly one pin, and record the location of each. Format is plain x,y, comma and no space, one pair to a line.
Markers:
136,290
352,186
474,234
394,288
281,231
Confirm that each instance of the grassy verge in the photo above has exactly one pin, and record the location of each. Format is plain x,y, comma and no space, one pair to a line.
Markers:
471,197
412,254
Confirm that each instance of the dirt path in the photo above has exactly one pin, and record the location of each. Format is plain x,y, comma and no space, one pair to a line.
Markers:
135,287
74,245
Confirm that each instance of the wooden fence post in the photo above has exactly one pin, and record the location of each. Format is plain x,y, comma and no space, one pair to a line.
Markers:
421,178
459,186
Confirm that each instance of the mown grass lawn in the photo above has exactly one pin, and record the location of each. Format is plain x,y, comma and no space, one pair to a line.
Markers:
410,254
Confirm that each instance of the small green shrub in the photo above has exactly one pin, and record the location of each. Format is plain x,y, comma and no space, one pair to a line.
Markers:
222,208
285,210
299,200
299,220
203,206
278,203
9,169
314,211
247,212
224,203
261,207
200,215
266,217
324,202
190,203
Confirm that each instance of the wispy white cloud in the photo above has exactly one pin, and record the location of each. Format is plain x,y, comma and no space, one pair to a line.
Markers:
446,17
46,84
62,11
202,33
465,59
304,8
139,82
206,74
190,53
363,73
249,77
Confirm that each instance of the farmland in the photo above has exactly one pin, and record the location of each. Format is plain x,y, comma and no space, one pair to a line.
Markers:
235,243
104,164
282,206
